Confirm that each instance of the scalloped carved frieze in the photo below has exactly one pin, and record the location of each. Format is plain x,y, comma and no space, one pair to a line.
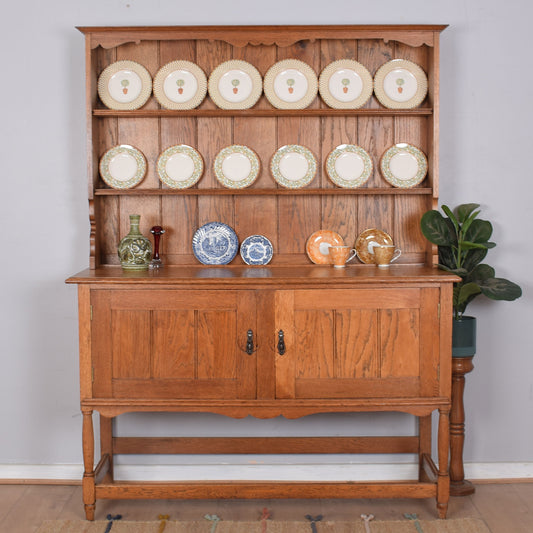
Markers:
244,36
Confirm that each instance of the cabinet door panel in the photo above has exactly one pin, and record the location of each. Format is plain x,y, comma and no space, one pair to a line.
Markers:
172,344
216,357
357,343
314,334
130,329
400,339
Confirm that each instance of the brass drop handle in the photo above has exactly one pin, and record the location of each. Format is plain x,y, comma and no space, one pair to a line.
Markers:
250,342
281,342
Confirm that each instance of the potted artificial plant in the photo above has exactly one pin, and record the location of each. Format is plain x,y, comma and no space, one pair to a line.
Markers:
463,241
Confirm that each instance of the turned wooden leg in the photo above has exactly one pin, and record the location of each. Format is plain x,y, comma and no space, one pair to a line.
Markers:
459,486
88,486
443,480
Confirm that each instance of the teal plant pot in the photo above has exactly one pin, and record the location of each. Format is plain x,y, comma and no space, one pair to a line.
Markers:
464,337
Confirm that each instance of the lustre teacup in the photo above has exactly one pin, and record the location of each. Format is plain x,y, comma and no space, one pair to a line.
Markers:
385,254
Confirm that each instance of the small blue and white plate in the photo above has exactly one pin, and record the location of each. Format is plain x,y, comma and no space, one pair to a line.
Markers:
256,250
215,243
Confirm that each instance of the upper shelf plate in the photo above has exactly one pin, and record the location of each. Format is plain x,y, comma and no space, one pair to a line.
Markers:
290,84
345,84
400,84
180,85
124,85
235,84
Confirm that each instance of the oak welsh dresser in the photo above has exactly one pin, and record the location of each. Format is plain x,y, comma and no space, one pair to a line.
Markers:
290,338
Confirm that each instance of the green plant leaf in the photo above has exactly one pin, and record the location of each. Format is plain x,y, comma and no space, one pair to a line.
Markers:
467,245
457,271
451,216
467,290
479,231
463,294
500,289
435,229
474,257
446,258
480,273
468,222
463,211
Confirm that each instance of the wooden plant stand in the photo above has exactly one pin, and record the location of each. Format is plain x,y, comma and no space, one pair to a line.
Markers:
459,486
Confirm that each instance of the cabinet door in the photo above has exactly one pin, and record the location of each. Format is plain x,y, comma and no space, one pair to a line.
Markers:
172,344
358,343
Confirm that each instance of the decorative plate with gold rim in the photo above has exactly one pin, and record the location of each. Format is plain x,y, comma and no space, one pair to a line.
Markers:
180,85
180,166
349,166
236,166
293,166
123,167
404,165
365,242
345,84
400,84
290,84
235,84
124,85
318,244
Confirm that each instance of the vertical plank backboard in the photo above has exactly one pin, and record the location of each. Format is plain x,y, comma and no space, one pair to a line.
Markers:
143,134
375,134
105,136
257,214
179,212
299,216
408,209
214,134
339,213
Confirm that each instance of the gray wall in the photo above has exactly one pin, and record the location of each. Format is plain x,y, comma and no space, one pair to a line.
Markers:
487,85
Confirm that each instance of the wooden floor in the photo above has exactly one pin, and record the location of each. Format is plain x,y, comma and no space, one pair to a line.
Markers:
506,508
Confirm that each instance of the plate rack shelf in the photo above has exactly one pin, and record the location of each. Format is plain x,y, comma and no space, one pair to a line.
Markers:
285,217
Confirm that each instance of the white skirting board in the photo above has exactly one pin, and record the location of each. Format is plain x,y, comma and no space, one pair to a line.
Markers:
263,471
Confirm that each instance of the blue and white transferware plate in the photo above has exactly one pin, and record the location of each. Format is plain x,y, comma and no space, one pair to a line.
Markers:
215,243
256,250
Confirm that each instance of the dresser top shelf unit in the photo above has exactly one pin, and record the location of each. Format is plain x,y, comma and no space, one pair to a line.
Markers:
287,217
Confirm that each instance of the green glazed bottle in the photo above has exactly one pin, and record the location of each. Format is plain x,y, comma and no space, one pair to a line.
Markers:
135,250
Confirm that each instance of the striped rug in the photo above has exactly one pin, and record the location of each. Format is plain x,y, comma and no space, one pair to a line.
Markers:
213,524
